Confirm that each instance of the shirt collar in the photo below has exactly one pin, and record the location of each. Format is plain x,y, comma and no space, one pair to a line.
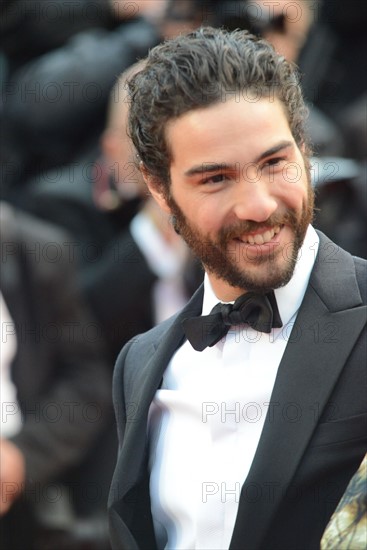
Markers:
289,297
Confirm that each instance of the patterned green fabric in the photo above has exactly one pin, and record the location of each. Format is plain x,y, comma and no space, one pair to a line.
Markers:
347,528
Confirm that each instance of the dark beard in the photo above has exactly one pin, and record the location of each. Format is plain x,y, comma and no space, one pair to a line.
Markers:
218,258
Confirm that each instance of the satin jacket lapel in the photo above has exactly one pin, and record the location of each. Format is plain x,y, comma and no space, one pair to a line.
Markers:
328,324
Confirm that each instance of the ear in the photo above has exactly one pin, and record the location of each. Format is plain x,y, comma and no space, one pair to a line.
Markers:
107,143
154,188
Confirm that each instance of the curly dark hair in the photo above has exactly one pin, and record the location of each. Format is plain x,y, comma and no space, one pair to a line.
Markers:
200,69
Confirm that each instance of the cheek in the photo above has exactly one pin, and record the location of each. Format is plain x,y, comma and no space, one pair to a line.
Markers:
294,173
205,214
207,221
293,188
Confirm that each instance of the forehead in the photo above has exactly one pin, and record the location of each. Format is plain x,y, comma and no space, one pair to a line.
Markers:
229,131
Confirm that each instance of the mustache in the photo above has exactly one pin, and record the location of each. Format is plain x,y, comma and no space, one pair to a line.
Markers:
247,226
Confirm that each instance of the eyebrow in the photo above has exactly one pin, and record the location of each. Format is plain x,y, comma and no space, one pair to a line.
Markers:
274,150
211,167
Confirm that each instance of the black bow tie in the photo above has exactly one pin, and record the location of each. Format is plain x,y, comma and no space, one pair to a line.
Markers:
260,311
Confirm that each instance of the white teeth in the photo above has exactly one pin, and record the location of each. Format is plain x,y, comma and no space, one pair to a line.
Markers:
262,238
268,235
259,239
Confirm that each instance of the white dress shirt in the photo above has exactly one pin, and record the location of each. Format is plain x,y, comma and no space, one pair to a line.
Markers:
166,262
10,416
206,421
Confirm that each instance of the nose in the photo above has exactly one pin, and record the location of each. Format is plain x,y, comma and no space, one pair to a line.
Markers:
253,201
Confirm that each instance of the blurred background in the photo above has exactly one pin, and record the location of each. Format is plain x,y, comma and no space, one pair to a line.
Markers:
88,260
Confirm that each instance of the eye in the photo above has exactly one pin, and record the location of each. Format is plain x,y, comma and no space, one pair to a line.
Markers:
217,178
276,161
273,165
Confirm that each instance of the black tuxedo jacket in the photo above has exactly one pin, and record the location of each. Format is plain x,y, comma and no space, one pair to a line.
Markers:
59,367
314,435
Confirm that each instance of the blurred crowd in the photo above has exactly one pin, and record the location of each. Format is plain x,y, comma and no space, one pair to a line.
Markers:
88,260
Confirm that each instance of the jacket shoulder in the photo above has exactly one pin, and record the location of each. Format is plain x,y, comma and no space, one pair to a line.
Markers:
138,344
361,275
133,356
338,277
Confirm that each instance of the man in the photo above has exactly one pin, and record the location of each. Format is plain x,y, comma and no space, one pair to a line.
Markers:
126,246
55,391
239,428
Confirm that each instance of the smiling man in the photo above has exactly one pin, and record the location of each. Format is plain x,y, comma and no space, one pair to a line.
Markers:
250,204
241,419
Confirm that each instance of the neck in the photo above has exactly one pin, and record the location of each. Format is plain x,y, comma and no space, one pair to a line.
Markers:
223,291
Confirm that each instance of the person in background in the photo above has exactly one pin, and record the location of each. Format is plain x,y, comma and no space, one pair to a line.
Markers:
127,249
55,391
54,105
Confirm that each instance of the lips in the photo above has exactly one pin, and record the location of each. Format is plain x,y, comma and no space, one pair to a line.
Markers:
260,238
